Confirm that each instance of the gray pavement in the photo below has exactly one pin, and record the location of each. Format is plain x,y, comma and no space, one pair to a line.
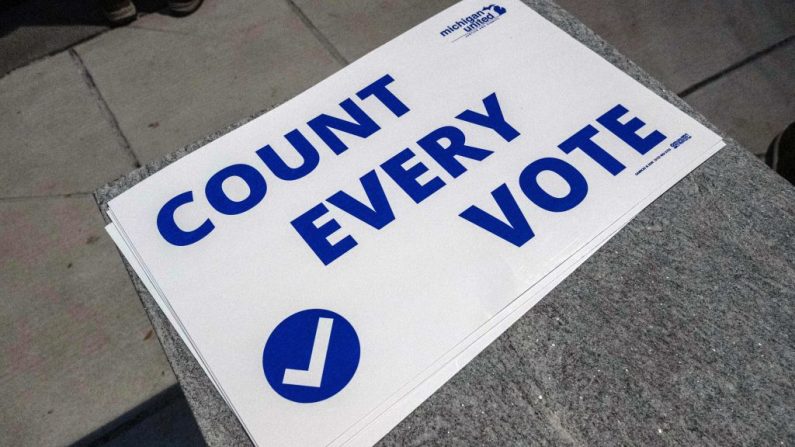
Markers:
353,27
755,101
181,79
56,140
77,350
77,353
684,43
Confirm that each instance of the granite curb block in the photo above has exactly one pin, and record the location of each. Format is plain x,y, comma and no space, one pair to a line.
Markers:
678,331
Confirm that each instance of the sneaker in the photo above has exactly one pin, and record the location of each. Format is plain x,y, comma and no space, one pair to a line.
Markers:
119,12
183,7
780,154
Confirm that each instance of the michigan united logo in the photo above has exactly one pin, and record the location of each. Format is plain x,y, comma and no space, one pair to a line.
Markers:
474,22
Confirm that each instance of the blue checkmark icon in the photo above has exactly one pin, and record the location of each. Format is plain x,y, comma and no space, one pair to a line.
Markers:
311,356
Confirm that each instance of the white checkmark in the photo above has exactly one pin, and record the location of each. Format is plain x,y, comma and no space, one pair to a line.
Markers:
317,361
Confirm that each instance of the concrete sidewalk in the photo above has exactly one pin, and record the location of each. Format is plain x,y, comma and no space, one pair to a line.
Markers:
76,352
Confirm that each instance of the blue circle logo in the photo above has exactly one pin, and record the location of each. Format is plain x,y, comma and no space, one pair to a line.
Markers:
311,356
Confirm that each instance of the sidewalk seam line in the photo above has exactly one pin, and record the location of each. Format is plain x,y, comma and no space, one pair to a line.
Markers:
45,196
318,35
735,66
108,114
166,31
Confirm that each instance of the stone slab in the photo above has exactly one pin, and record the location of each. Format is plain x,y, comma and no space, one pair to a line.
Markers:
239,60
682,42
755,102
55,138
76,349
677,332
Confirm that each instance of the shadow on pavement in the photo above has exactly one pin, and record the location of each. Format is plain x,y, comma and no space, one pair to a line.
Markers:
32,29
164,420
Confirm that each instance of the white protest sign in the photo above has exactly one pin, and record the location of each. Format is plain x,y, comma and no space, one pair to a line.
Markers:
334,261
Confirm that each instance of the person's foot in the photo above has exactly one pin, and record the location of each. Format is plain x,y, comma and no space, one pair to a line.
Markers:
781,154
119,12
183,7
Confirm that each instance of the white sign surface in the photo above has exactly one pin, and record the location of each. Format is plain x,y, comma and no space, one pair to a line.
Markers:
336,260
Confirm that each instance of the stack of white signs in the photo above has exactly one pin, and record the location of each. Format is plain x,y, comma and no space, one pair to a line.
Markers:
333,262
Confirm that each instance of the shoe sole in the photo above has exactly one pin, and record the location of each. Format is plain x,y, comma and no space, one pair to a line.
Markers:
184,8
123,15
